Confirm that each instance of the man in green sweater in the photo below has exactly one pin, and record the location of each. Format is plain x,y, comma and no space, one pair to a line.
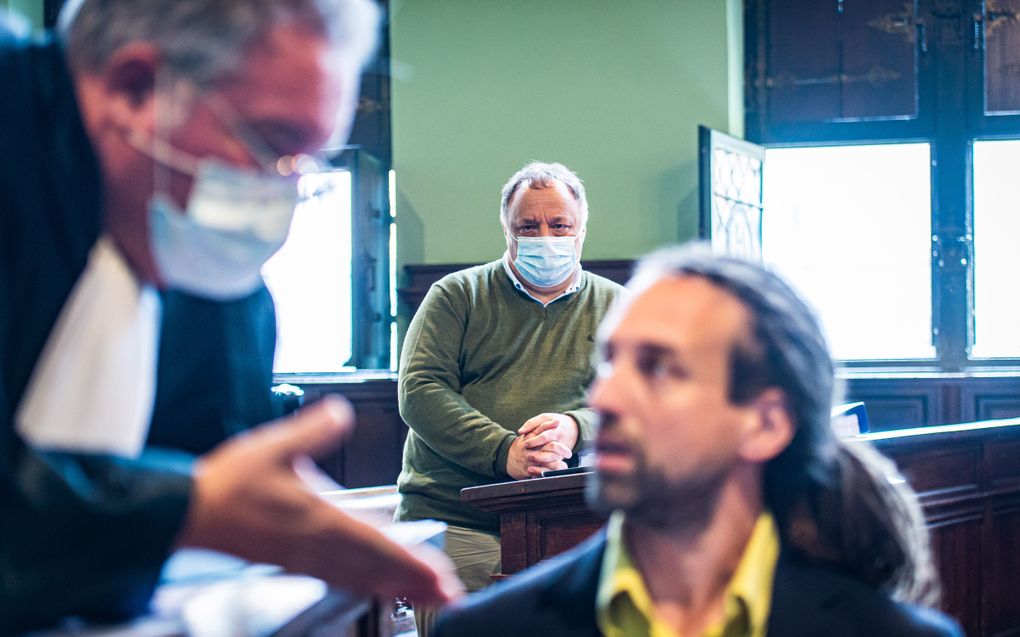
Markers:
495,366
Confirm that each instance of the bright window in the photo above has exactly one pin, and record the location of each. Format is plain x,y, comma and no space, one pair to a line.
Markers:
310,279
850,226
996,230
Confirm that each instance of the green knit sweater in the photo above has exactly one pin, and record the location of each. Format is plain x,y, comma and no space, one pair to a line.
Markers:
480,358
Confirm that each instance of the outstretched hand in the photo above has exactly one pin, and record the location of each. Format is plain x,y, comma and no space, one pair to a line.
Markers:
248,500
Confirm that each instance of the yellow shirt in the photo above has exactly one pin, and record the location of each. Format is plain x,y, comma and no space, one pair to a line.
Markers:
624,607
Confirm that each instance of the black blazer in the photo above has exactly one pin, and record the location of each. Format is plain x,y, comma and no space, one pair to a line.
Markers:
558,598
215,370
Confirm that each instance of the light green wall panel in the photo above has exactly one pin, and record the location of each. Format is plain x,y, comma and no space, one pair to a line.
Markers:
615,90
31,9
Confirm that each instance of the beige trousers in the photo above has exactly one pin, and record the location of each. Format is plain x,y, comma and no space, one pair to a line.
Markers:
476,555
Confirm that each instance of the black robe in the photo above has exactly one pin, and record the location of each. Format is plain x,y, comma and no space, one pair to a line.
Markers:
86,534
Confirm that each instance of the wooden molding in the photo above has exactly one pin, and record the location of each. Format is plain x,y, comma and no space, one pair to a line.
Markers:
421,277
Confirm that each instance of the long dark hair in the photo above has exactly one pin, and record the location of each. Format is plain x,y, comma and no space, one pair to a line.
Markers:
836,502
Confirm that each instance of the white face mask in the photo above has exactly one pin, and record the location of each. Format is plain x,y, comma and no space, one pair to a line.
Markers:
235,220
546,261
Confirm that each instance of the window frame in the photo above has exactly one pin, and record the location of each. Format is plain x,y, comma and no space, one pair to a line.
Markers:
950,117
371,218
368,156
372,313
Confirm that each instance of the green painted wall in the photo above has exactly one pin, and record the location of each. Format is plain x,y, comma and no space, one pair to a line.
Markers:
31,9
614,90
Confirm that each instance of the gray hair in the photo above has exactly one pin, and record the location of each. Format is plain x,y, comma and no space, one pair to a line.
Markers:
542,175
835,502
202,40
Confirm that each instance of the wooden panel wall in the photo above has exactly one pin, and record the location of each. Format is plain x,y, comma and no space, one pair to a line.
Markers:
969,484
419,278
897,402
894,401
371,455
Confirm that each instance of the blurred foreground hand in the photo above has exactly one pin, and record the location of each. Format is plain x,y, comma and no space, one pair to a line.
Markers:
248,500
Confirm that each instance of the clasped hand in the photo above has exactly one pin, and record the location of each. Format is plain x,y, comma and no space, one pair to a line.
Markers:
543,443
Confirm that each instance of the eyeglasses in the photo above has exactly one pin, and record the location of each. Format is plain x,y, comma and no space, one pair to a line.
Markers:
268,159
273,165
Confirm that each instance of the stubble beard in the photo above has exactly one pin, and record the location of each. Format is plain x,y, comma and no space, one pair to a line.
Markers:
652,499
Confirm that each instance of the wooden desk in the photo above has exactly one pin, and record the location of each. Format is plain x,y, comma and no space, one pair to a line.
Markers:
537,518
254,602
967,477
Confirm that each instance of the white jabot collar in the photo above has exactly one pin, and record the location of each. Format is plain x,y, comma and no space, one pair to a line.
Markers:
93,387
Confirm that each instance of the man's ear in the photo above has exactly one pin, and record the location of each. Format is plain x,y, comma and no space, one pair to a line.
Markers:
507,236
128,84
771,429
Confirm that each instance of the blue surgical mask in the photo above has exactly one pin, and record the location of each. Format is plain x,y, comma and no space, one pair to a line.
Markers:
236,218
546,261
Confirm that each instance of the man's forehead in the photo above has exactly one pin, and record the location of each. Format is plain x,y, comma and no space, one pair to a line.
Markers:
680,312
292,76
548,214
554,198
